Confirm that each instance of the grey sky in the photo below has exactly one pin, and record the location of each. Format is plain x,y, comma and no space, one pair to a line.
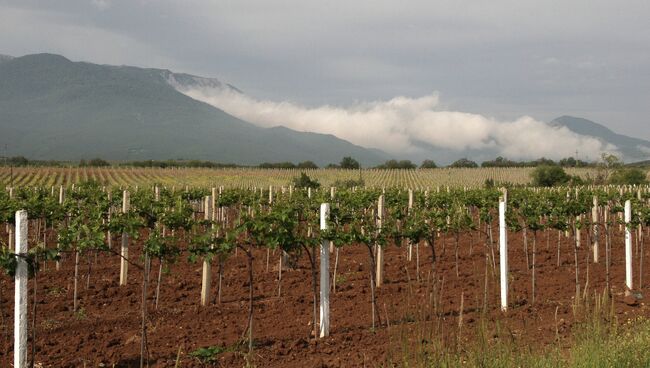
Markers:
500,58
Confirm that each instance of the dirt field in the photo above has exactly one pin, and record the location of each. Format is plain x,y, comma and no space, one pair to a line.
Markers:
106,330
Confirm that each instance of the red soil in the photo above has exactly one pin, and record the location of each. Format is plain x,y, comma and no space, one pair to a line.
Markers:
107,328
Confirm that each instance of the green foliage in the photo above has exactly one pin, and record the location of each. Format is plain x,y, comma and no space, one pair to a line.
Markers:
500,162
162,247
572,162
180,163
628,176
277,165
95,162
611,161
464,162
349,183
394,164
349,163
208,354
86,209
548,176
304,181
307,165
428,164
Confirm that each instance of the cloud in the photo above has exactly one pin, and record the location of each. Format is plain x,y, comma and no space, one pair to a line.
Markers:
102,4
400,126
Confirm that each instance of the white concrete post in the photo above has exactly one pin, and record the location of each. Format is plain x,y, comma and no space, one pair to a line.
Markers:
380,250
20,298
206,279
10,230
628,247
596,234
578,232
61,198
332,195
124,250
324,275
503,254
410,252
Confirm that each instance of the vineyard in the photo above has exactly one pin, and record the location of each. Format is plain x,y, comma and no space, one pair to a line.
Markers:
122,272
263,178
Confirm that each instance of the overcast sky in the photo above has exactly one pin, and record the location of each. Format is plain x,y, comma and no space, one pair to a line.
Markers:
502,58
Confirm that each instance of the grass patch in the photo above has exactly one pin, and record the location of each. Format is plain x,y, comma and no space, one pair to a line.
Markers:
209,354
597,340
80,314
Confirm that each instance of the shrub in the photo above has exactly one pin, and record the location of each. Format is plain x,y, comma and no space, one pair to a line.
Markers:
349,183
304,181
548,176
628,176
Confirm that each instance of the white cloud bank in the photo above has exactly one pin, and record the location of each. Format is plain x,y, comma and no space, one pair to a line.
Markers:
395,125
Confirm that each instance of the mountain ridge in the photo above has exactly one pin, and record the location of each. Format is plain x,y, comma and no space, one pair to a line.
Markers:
54,108
633,149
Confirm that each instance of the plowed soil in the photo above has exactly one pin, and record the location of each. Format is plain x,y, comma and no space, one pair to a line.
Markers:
105,331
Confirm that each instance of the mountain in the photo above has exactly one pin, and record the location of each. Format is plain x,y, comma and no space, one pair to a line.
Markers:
633,149
5,58
645,163
53,108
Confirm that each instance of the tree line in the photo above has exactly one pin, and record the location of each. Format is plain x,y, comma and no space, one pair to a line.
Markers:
347,162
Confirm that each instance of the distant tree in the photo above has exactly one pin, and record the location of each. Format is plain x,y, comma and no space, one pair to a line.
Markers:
307,165
605,167
278,165
18,161
464,162
628,176
428,164
572,162
349,163
567,162
332,166
394,164
98,162
180,163
501,162
611,161
548,176
541,162
304,181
